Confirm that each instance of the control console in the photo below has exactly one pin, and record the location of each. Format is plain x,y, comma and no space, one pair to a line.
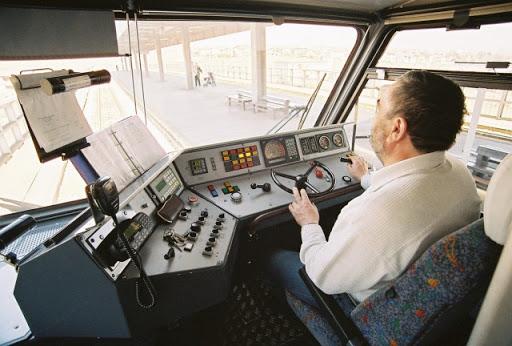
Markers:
250,177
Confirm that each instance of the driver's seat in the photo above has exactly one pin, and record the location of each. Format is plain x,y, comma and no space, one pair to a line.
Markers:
438,291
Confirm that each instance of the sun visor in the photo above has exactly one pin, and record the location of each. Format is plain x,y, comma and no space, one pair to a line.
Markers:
35,33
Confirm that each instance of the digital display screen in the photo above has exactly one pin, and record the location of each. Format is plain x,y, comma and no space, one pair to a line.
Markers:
160,185
163,186
198,166
131,230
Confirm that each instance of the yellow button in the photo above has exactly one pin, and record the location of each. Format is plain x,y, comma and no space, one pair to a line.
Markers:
242,160
248,154
247,149
235,162
226,158
225,153
240,155
254,153
249,159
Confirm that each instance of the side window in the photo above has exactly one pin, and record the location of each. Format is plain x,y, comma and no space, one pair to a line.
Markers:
486,135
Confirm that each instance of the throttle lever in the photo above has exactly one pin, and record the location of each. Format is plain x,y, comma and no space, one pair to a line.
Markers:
265,187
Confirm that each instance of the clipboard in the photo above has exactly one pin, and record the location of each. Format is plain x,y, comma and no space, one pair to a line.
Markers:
41,112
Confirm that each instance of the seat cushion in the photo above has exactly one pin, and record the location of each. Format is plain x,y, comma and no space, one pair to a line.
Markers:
412,305
313,319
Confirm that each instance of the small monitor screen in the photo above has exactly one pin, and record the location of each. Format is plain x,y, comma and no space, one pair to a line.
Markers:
198,166
160,185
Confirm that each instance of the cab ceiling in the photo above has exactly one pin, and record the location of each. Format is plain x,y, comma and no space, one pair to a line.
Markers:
367,10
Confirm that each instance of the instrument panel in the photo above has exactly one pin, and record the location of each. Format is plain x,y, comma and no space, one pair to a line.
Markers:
210,163
236,176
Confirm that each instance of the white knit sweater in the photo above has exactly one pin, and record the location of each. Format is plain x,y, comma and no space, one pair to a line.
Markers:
409,206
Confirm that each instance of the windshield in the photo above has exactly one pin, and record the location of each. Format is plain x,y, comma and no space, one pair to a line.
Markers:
194,83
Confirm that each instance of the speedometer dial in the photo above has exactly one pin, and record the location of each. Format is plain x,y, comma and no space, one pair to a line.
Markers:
337,139
324,142
274,150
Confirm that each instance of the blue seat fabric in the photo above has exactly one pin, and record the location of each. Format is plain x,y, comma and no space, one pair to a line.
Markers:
409,308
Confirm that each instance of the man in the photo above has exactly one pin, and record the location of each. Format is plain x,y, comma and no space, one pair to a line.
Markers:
197,74
420,195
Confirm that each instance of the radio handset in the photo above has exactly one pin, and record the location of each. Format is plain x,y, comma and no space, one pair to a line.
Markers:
105,194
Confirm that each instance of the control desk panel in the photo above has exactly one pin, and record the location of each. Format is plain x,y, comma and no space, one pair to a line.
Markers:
243,177
174,230
184,212
176,239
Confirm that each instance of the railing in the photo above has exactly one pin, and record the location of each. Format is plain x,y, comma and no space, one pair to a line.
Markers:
13,130
286,76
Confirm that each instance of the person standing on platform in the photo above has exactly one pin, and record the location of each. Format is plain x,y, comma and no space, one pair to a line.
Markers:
197,74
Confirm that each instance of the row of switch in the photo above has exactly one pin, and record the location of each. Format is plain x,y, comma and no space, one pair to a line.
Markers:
227,189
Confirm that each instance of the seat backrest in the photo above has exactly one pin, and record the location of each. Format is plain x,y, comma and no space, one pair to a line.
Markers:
447,281
442,285
492,326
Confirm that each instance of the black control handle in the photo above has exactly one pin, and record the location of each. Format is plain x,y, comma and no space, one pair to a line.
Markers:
265,187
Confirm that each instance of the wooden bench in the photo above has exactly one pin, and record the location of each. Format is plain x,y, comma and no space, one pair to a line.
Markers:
483,163
242,96
278,104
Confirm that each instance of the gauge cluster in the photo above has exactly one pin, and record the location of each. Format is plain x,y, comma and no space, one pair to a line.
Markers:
230,159
323,142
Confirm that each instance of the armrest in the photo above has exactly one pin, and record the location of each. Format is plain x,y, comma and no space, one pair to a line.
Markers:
341,323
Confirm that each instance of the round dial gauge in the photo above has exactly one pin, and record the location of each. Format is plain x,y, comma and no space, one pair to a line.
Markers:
337,139
274,149
324,142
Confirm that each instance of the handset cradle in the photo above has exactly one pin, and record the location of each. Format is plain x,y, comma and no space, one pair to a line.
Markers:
105,194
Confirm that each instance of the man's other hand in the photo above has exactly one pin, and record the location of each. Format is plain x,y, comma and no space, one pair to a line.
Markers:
303,211
358,168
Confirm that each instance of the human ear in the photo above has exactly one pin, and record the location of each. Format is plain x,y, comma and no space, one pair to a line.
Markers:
398,129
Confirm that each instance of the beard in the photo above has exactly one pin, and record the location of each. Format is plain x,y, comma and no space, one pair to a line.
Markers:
377,145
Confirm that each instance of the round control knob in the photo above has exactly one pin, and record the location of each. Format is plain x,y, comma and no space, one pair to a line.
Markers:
192,236
236,197
183,215
218,225
193,200
208,251
204,213
214,233
221,217
200,220
211,241
187,209
195,227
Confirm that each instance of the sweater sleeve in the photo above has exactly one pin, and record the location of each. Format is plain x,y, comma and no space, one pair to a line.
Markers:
342,264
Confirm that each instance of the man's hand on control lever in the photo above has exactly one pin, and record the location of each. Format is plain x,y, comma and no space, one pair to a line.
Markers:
358,167
302,209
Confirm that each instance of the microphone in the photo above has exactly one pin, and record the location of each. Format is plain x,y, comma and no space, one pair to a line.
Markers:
15,229
55,85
